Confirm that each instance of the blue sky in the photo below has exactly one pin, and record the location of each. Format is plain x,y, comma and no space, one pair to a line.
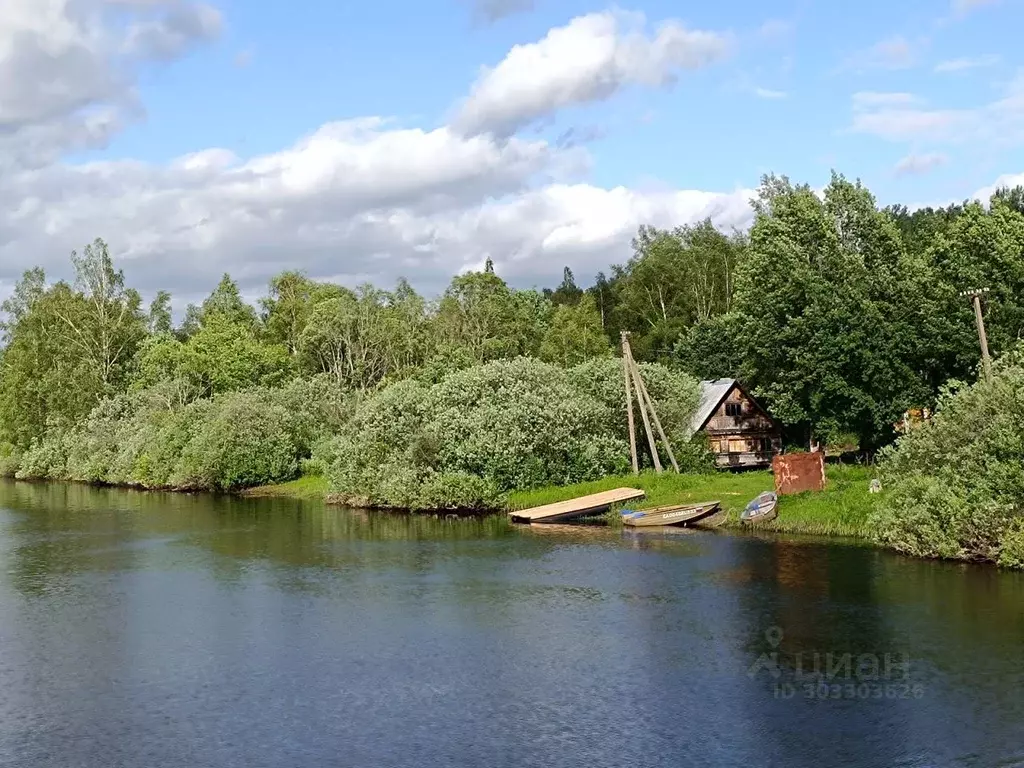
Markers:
276,75
532,164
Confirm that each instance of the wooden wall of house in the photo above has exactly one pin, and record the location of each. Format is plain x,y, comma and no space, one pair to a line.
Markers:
749,418
741,434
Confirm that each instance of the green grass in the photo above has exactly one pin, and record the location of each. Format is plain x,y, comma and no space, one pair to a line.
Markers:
307,487
840,510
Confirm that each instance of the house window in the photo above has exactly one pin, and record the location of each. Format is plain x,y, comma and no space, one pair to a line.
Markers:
733,409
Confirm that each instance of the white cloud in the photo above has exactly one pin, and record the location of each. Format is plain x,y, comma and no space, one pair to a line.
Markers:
891,53
775,30
173,33
589,59
355,200
999,122
915,165
768,93
965,63
1008,180
873,99
963,7
62,87
906,124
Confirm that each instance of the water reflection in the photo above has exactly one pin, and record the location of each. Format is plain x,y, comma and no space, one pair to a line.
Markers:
145,629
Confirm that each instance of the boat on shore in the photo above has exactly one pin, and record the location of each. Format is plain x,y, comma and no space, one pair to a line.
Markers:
673,514
763,508
582,506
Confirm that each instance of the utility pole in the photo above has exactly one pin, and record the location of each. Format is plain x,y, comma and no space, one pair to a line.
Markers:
629,402
975,295
634,382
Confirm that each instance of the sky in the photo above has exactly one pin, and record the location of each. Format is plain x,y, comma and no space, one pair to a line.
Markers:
417,138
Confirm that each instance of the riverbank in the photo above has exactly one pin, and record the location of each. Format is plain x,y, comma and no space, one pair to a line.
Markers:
306,487
842,509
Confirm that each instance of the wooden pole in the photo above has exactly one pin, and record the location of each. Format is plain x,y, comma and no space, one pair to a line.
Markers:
657,422
982,338
975,295
629,402
643,411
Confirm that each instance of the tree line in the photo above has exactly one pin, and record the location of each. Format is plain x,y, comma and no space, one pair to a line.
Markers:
837,313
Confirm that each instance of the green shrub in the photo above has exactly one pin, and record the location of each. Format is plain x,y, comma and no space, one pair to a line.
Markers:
46,458
234,440
1011,555
10,460
955,487
247,442
675,396
480,432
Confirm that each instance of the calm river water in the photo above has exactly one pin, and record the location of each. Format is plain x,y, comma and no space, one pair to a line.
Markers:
157,631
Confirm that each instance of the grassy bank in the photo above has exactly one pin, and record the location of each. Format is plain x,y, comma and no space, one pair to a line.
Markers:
308,487
840,510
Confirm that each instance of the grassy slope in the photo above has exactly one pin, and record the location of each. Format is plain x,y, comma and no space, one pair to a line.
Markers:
840,510
307,487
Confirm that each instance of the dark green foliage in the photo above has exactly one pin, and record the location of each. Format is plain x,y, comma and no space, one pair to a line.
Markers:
712,348
831,318
955,487
474,435
837,314
234,440
675,397
567,293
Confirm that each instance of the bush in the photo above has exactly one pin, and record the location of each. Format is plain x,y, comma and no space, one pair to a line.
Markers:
46,458
480,432
675,397
10,460
248,441
234,440
956,485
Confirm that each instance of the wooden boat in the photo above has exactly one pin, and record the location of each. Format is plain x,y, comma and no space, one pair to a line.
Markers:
674,514
584,505
765,507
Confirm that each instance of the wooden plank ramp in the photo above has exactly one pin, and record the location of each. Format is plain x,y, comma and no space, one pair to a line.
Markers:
561,511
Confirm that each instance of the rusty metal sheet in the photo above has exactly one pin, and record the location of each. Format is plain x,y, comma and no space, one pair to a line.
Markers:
798,472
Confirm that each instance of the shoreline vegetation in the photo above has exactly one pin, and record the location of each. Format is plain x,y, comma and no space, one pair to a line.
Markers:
839,316
842,509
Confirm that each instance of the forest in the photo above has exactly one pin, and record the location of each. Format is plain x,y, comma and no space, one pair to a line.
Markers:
838,314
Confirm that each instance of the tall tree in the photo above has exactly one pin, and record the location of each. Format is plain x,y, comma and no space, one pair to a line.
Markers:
103,321
479,313
567,291
287,308
575,334
829,318
160,320
675,279
225,301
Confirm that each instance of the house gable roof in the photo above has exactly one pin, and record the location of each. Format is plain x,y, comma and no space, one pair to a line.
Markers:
712,393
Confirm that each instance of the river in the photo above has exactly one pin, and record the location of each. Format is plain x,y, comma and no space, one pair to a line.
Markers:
156,630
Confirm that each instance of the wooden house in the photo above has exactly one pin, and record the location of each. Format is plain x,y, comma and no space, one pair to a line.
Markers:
740,432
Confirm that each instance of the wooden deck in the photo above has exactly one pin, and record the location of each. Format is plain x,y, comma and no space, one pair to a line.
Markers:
584,505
